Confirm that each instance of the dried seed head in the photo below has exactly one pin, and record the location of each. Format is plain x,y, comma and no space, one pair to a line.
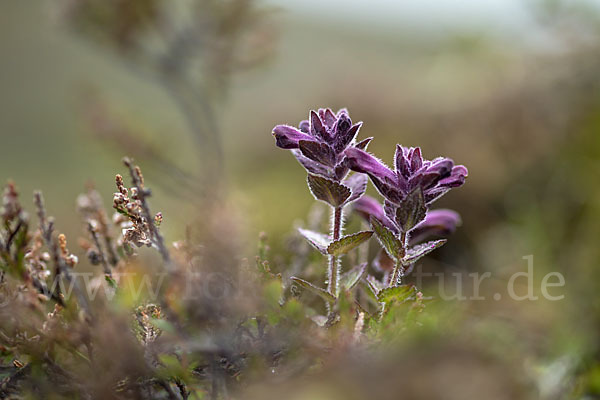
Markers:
138,172
10,202
62,243
121,185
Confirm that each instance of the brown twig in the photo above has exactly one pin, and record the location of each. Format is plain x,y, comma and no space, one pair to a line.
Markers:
138,182
47,228
94,234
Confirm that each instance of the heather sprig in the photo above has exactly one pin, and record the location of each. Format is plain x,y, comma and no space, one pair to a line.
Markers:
320,145
132,203
408,190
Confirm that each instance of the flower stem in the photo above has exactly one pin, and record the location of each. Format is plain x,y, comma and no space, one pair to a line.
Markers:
333,272
398,273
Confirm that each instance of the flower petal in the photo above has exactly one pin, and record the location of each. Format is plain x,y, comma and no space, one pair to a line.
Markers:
361,161
442,166
368,207
304,126
440,222
287,137
383,178
456,178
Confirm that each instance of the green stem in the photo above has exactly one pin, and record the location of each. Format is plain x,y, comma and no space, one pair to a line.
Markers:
333,272
398,273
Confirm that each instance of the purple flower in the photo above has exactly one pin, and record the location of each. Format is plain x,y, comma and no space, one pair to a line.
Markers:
441,222
411,171
368,207
319,142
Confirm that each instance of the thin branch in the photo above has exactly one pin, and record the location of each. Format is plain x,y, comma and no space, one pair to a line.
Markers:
143,193
47,228
94,234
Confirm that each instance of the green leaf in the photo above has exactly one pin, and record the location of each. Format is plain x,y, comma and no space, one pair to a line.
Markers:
351,278
411,210
272,293
162,324
328,191
325,295
374,286
318,240
417,252
348,242
397,294
111,282
388,240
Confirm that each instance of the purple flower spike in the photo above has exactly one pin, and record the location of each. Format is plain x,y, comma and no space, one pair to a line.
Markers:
411,172
319,142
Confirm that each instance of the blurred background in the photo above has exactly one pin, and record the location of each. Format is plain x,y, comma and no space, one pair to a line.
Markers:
192,90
